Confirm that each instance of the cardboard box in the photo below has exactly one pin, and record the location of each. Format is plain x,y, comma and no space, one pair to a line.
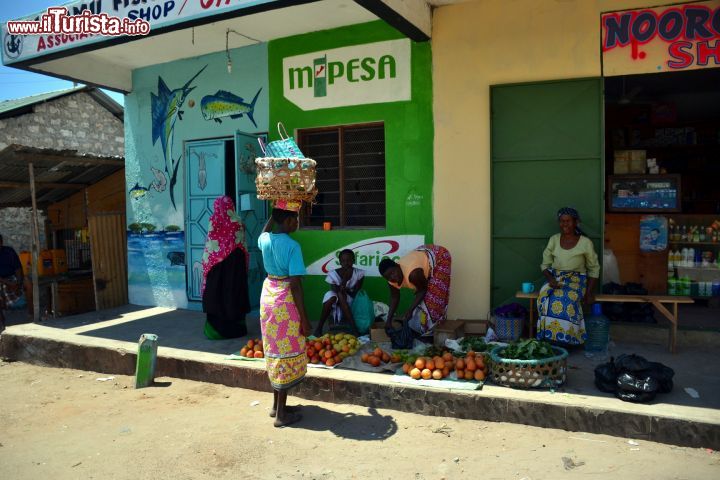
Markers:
449,329
476,327
377,332
621,165
638,161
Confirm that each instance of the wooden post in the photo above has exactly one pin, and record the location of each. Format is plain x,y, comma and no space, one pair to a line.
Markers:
34,248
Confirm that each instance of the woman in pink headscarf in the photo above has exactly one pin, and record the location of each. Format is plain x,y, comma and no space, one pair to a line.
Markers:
225,264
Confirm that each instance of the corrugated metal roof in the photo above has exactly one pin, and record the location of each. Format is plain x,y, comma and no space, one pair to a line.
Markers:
9,106
20,106
66,170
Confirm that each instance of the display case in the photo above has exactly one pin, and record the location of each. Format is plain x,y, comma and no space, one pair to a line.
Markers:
644,193
694,255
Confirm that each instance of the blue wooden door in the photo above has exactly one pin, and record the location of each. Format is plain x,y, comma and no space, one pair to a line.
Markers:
205,175
253,212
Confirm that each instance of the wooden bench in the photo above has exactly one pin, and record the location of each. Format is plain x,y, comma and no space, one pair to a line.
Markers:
656,300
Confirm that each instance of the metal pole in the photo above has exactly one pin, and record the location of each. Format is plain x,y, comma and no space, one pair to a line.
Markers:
34,248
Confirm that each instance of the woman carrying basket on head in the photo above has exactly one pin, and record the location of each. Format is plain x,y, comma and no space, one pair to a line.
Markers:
283,320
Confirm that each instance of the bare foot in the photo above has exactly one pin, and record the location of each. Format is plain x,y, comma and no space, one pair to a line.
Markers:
289,419
288,409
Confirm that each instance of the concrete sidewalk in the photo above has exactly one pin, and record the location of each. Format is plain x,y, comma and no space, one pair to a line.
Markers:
105,342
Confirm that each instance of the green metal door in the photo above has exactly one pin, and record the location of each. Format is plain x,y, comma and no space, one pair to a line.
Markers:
547,152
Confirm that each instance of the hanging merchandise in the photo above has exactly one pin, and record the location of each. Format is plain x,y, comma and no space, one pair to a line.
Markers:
611,271
653,233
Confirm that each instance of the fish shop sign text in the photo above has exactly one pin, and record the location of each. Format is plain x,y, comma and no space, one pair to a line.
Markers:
358,75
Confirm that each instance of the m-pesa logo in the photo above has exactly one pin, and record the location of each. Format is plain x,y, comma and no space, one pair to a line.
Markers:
373,73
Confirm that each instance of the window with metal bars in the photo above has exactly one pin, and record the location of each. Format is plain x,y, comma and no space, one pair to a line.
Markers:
350,175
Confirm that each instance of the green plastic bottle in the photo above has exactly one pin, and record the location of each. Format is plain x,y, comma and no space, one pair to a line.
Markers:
146,360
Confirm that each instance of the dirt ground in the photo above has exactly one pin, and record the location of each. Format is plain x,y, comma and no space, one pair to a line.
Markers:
66,424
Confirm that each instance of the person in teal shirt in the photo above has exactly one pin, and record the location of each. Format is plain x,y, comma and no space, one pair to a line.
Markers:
283,321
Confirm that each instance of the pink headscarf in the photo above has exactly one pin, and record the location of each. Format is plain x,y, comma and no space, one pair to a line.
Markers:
225,233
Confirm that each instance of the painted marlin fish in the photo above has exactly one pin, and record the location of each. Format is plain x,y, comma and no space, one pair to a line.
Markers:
137,192
166,109
226,104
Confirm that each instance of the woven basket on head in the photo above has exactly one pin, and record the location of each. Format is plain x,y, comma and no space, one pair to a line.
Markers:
546,373
285,179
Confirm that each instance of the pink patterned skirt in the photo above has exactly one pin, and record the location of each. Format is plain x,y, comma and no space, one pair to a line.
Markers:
433,309
283,344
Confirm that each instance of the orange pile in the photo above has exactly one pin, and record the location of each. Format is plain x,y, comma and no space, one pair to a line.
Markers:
253,349
472,367
378,356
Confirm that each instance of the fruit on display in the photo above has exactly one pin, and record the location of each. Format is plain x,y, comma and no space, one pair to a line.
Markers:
253,349
471,366
378,356
331,349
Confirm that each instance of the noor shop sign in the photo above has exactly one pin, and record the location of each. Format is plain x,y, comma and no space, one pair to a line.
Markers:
159,13
369,253
671,38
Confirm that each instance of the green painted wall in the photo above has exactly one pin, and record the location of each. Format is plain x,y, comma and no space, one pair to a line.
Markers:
408,146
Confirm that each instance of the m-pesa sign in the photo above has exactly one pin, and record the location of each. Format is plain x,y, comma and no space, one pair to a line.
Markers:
672,38
369,253
358,75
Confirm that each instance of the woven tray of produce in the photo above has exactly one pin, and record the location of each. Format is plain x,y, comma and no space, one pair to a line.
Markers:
529,364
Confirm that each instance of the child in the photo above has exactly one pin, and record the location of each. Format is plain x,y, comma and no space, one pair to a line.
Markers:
345,282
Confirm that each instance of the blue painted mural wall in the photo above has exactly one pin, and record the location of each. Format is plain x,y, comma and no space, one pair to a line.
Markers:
173,103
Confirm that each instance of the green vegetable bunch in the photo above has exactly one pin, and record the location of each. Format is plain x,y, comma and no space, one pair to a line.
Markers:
476,344
528,350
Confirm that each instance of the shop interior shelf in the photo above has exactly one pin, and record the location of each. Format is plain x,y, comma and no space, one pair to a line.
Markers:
673,242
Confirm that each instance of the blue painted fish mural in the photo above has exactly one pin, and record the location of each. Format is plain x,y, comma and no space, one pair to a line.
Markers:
137,192
166,109
227,104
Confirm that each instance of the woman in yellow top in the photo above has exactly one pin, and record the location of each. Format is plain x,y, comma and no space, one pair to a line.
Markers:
571,268
427,271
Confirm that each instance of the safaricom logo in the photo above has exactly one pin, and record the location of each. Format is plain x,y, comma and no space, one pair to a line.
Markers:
323,73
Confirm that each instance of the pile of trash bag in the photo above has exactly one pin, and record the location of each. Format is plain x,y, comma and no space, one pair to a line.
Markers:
634,379
627,312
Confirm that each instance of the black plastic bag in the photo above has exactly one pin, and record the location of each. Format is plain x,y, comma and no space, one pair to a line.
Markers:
641,384
635,397
635,289
631,363
401,338
606,377
663,374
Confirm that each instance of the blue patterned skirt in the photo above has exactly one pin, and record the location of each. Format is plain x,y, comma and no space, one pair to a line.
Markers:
560,315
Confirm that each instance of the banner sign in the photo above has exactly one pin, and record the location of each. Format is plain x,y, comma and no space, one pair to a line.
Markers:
358,75
159,13
672,38
369,253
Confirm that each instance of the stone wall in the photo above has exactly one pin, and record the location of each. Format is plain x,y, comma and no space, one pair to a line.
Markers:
15,227
74,122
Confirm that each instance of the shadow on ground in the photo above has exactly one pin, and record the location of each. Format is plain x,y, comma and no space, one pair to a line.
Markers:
347,425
